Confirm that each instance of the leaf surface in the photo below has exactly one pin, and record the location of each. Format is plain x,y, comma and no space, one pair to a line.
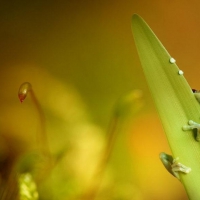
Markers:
174,100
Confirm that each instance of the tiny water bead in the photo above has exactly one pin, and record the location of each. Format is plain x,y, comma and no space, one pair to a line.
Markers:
23,90
180,72
172,60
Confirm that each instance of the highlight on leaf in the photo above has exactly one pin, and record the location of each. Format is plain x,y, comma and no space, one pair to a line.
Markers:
23,91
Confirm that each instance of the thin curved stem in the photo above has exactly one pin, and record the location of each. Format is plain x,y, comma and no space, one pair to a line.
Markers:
24,89
92,191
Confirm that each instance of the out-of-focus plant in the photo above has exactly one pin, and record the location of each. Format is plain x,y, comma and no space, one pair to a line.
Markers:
33,172
27,187
128,105
175,102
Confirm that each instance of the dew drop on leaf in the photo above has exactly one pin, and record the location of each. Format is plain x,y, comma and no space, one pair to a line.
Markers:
172,60
180,72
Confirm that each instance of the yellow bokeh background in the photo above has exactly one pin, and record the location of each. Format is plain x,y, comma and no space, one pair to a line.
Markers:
80,57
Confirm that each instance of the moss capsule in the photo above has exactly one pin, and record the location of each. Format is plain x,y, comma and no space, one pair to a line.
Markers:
23,91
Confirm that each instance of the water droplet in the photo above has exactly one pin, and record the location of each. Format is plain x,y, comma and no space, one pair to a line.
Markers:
172,60
180,72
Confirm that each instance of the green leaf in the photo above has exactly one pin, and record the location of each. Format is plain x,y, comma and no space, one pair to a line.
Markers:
174,100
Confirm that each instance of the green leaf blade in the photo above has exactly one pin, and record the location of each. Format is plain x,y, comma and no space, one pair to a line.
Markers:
174,100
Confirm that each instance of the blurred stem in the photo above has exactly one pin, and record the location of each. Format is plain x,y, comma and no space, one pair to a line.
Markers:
9,188
128,105
42,138
93,189
24,89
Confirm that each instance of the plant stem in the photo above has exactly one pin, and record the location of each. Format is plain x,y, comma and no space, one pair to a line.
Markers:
93,189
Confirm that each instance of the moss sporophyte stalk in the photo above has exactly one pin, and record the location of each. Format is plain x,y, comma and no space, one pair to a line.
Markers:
18,182
177,105
27,185
24,90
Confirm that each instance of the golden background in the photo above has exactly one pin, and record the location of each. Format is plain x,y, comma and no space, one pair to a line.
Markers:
80,57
